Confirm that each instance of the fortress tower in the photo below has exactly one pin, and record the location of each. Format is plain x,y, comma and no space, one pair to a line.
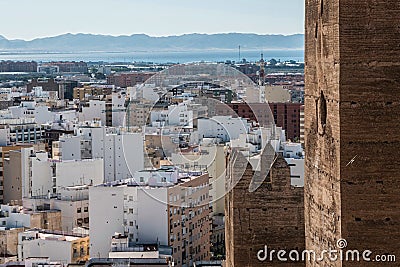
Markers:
352,126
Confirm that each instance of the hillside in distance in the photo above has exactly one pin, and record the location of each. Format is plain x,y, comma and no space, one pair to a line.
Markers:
141,42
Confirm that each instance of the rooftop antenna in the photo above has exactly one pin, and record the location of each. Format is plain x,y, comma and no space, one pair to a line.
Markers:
239,54
262,70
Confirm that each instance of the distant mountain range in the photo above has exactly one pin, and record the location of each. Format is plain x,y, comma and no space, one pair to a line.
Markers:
141,42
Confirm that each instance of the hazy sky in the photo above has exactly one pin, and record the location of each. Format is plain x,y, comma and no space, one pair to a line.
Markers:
28,19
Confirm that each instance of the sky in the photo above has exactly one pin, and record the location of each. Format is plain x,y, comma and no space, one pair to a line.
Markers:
29,19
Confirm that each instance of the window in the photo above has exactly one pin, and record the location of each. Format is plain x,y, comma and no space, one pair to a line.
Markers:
86,209
79,210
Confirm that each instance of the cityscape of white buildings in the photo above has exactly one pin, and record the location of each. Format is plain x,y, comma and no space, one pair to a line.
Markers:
135,174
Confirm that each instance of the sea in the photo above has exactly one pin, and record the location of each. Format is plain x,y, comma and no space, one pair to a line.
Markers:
157,56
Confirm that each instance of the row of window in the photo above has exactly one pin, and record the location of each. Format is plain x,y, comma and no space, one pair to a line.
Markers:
81,221
81,253
85,209
130,197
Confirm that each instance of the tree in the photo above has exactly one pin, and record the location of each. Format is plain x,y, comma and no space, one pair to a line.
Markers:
273,62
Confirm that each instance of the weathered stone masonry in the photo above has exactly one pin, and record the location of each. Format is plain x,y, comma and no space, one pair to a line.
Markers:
272,215
352,126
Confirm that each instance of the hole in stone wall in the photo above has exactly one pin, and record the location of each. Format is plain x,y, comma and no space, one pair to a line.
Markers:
358,219
322,7
323,109
316,110
387,219
322,113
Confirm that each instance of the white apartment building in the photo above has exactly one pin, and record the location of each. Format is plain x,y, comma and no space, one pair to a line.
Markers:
72,201
38,178
166,214
296,171
96,110
148,254
44,176
139,212
15,217
71,172
176,115
209,157
12,217
67,148
24,130
123,153
165,176
225,128
292,150
55,246
39,112
118,109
